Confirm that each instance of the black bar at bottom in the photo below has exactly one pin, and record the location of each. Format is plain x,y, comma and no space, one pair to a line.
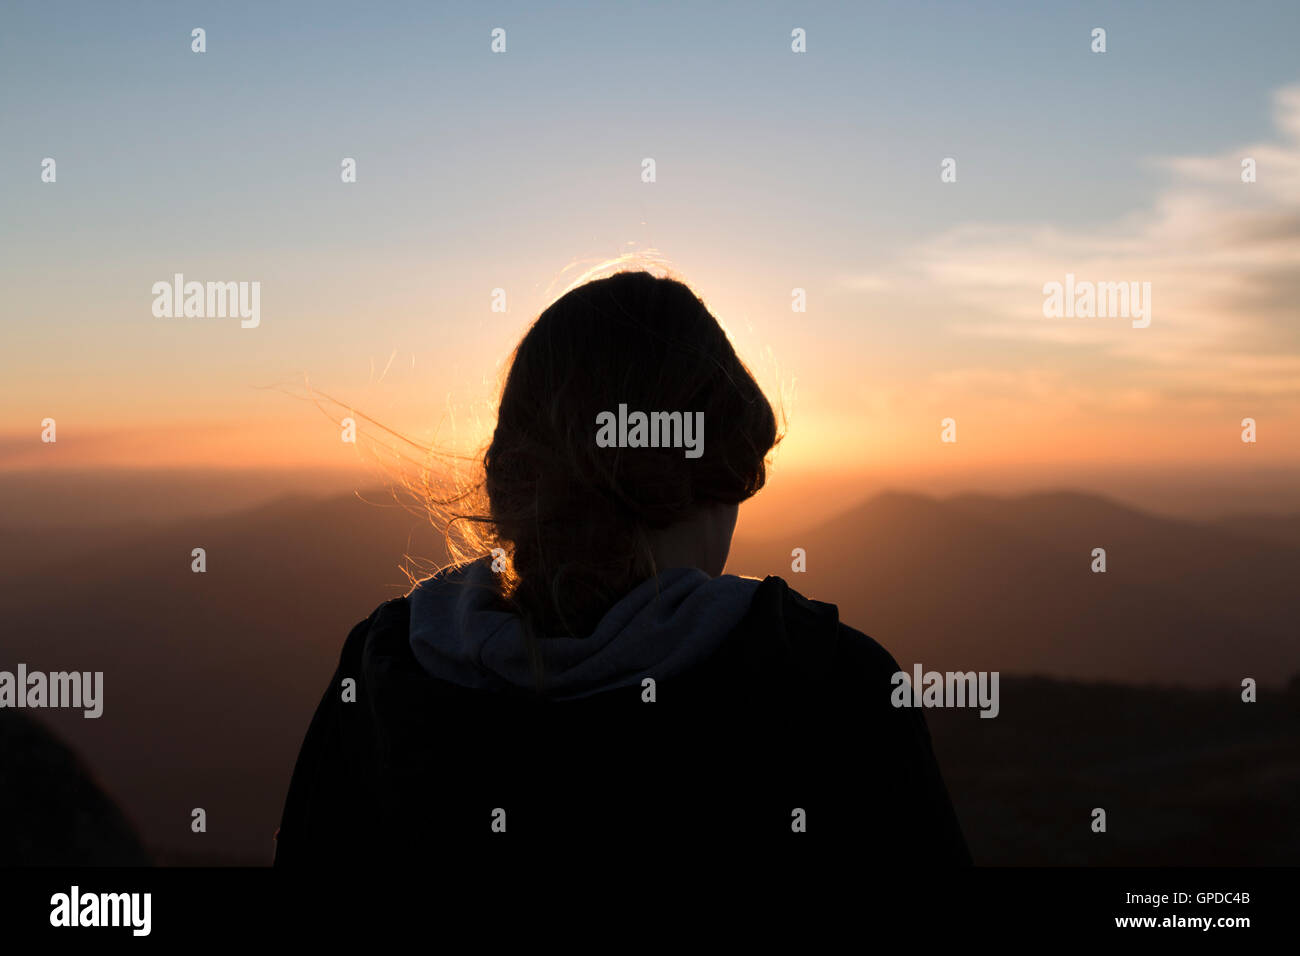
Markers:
547,896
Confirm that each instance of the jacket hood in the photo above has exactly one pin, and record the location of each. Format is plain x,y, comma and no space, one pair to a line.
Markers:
461,633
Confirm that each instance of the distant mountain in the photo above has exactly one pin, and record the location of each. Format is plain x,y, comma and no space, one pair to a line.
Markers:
1006,584
1279,527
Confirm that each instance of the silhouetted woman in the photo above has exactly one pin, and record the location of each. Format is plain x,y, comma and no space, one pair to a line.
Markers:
600,681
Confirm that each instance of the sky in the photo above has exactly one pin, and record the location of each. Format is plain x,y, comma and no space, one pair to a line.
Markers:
775,170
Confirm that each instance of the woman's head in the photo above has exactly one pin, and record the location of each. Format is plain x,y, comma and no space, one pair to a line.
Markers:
583,523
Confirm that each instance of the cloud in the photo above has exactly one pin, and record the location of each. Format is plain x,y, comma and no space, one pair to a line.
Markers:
1222,257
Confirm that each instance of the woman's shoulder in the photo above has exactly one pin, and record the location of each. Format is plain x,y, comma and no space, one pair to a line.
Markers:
382,634
390,617
812,631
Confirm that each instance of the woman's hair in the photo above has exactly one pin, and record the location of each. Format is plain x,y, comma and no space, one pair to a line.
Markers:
567,519
572,515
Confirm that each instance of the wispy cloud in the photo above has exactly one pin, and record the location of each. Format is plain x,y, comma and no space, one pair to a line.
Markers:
1222,257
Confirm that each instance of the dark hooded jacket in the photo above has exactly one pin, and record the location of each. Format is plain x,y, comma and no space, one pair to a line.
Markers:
701,712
